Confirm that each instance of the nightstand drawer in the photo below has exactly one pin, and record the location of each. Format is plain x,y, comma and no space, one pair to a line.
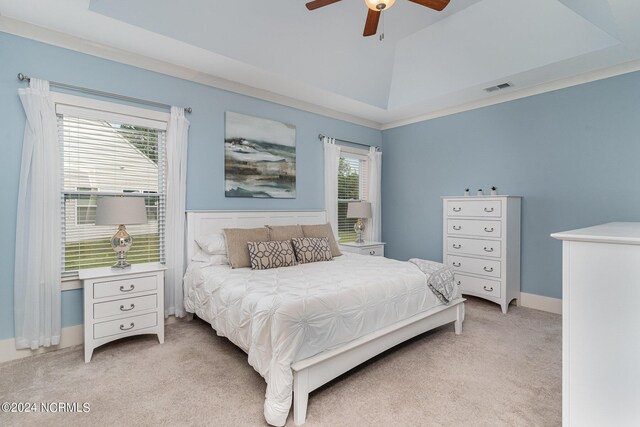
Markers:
485,267
481,208
121,326
459,245
476,285
124,286
473,227
373,251
123,306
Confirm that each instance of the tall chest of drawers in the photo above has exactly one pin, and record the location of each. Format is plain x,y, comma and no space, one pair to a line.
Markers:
481,243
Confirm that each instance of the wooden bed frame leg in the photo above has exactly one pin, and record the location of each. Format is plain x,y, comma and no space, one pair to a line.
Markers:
189,317
459,319
300,396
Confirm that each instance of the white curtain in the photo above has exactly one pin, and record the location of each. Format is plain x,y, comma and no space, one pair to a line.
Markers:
331,163
177,143
374,227
37,272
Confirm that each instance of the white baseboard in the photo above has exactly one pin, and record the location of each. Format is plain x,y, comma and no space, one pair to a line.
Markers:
539,302
69,337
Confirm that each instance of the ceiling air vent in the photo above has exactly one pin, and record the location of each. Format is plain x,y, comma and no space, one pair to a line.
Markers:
498,87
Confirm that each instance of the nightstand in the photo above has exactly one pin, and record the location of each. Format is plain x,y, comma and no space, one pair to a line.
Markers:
122,303
366,248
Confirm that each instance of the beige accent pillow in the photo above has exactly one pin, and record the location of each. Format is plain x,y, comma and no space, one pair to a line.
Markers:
284,232
272,254
312,249
323,230
237,239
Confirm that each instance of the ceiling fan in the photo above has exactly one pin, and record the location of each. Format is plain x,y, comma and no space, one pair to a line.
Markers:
376,7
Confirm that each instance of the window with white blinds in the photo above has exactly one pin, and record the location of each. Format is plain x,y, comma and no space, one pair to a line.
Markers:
108,154
352,187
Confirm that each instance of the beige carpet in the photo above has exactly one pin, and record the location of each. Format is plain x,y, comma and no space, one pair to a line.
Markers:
504,370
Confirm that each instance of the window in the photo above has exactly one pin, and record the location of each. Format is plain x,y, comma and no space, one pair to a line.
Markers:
352,187
104,153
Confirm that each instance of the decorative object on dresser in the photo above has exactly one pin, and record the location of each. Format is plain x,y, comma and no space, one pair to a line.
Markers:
494,191
365,248
360,210
121,211
600,318
481,243
122,303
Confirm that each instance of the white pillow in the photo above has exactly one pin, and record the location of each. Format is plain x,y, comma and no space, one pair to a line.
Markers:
202,256
213,244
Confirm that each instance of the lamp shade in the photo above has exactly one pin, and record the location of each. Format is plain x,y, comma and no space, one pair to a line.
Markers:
359,210
121,210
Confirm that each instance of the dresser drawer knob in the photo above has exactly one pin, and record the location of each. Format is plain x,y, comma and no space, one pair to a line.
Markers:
457,209
127,309
456,246
486,249
488,270
131,287
458,227
488,230
372,252
488,209
122,328
457,264
489,289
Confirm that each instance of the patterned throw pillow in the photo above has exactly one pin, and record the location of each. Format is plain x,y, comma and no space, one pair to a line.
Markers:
312,249
273,254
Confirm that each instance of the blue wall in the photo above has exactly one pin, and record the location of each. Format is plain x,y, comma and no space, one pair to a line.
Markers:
574,155
205,180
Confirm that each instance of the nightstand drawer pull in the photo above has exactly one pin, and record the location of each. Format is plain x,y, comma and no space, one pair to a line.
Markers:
131,287
488,229
458,227
372,252
488,270
457,246
459,283
489,289
457,209
127,309
122,328
486,249
488,210
457,264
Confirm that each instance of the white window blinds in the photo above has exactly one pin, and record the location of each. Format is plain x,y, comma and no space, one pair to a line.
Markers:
352,187
106,154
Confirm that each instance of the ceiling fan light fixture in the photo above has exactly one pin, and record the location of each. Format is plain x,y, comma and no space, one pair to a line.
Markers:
379,5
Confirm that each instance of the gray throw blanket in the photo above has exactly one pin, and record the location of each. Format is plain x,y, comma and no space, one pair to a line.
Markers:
439,278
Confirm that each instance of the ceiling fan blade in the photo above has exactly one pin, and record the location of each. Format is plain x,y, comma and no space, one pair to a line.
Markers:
371,25
432,4
312,5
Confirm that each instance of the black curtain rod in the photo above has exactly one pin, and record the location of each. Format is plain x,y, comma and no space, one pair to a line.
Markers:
22,77
321,136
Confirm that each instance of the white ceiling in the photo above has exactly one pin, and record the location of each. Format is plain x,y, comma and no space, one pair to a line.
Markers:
429,61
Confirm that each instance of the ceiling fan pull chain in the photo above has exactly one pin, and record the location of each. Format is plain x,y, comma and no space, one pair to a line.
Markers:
382,33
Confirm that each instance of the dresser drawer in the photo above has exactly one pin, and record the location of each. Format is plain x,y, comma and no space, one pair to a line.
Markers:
121,326
125,286
480,208
485,267
459,245
474,227
123,306
476,285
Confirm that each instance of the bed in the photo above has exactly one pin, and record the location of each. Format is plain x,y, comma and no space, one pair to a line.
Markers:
305,325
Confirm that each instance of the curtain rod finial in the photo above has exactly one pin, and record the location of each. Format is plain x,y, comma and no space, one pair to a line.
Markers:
22,77
188,109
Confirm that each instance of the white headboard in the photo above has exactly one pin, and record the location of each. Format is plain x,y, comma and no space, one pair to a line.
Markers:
201,223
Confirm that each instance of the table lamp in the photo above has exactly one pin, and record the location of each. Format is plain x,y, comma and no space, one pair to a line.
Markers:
360,210
120,211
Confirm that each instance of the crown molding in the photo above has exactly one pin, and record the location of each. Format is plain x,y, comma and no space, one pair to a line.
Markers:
77,44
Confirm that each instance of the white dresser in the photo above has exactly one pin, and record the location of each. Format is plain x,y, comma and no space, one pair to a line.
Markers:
601,325
122,303
481,243
366,248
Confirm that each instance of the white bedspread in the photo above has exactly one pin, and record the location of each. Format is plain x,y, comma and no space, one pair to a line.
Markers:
283,315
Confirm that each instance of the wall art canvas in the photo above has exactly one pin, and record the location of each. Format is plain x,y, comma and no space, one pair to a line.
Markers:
260,157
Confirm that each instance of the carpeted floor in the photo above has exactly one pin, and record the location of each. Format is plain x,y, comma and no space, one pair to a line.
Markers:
504,370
